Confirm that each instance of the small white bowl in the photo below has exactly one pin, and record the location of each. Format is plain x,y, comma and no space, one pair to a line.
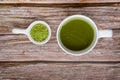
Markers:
27,32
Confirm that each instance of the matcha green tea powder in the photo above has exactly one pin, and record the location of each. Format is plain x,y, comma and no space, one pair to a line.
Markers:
39,32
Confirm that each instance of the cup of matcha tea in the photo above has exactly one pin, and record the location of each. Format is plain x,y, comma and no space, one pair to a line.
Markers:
78,34
38,32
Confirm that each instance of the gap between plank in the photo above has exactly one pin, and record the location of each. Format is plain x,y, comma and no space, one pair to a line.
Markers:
76,62
60,4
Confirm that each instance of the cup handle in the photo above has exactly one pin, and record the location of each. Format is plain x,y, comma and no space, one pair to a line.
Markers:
105,33
19,31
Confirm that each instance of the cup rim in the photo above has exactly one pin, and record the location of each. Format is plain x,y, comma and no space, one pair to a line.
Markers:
89,48
30,27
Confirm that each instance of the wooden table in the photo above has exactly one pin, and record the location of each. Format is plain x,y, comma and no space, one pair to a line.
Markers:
22,60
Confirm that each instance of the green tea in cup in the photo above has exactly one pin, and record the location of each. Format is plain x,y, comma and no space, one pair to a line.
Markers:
78,34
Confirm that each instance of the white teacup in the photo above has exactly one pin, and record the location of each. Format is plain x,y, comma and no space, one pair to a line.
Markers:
27,32
98,34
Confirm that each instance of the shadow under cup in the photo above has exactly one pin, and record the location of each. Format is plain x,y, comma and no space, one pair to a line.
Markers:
77,34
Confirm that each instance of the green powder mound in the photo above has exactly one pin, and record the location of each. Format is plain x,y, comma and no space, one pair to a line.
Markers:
39,32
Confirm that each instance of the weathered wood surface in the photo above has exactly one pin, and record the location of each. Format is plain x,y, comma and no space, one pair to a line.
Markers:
18,48
59,71
56,1
22,60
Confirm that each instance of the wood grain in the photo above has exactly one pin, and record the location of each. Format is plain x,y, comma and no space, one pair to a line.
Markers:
18,48
22,60
59,71
56,1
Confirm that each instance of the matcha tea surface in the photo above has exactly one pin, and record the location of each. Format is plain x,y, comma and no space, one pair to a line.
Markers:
76,34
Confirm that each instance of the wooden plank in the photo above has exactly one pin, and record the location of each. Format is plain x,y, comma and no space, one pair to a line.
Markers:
56,1
59,71
19,48
107,17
